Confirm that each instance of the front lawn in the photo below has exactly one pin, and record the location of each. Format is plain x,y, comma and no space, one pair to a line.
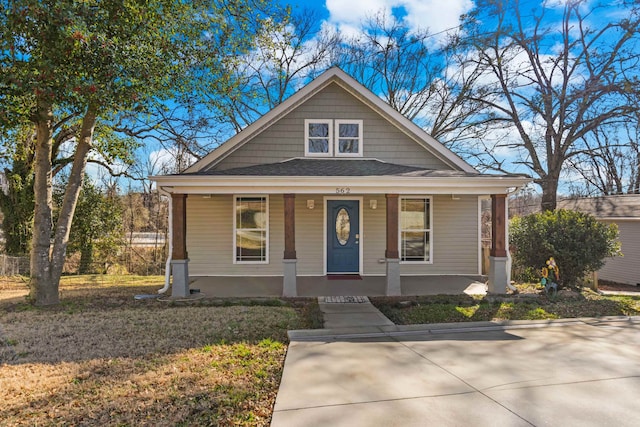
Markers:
102,358
443,309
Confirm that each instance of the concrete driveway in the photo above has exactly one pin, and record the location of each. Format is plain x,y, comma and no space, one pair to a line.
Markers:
561,373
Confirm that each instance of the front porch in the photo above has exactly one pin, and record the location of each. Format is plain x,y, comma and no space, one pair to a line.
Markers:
314,286
300,270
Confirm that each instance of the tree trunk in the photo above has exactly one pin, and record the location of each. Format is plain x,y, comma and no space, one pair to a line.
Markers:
43,290
63,226
549,186
47,262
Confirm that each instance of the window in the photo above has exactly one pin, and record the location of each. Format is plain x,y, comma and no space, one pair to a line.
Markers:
318,137
251,224
415,229
323,139
348,137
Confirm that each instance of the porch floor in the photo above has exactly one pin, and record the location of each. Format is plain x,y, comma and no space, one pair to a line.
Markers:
315,286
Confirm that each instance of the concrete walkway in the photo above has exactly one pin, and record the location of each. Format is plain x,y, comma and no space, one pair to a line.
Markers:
582,372
349,312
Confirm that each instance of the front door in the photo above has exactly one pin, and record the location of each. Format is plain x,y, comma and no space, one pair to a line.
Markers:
343,236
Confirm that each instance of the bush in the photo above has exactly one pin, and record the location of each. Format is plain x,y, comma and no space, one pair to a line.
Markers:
578,242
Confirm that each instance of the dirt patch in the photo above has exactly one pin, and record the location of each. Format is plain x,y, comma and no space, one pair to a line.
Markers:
605,285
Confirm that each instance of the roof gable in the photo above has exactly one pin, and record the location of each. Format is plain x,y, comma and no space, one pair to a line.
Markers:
339,77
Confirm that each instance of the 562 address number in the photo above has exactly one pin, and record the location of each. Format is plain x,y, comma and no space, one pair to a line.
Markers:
343,190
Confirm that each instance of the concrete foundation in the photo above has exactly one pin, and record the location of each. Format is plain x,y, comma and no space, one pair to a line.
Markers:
180,273
498,275
289,285
393,277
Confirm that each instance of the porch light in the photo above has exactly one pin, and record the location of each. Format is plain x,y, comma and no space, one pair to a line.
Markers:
373,204
311,204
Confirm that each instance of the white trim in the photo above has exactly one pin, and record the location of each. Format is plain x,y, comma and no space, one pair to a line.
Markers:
330,142
333,75
430,230
336,150
479,224
224,184
268,247
480,259
324,229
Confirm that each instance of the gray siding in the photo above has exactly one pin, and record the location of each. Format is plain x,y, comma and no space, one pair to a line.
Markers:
455,238
284,139
625,269
309,235
210,237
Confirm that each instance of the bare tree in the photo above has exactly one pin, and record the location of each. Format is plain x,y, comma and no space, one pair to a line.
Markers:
553,78
287,54
427,80
611,164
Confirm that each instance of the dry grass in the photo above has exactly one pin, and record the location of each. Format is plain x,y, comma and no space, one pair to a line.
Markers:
102,358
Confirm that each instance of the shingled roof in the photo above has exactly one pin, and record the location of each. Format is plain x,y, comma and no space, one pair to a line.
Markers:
622,206
335,167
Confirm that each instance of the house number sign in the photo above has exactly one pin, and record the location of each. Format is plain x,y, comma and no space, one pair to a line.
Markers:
343,190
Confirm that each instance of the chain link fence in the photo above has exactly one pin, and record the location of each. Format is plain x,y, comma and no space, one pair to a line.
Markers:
14,266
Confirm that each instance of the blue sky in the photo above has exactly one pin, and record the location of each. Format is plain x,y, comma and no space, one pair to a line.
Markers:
437,16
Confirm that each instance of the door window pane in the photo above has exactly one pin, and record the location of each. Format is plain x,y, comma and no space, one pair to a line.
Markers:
343,226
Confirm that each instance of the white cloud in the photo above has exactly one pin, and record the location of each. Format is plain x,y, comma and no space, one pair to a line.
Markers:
165,161
435,15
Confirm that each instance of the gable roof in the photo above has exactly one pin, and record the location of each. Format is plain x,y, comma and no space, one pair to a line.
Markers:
606,207
333,75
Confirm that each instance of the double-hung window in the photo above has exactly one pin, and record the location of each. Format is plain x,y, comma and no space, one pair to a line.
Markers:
333,138
415,229
251,229
318,136
348,138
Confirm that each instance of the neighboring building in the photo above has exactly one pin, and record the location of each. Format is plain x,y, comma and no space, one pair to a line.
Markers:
333,182
623,210
146,239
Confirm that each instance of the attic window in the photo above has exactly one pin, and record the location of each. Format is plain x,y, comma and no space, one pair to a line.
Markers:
318,138
348,137
329,138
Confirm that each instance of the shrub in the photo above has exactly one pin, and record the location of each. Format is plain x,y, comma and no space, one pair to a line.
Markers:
578,242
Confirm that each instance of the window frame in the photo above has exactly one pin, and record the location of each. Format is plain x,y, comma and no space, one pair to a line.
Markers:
330,136
235,229
360,138
427,230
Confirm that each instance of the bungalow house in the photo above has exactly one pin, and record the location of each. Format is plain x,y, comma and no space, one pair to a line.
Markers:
623,210
333,183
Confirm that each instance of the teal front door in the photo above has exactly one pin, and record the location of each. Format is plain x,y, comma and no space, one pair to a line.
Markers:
343,236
